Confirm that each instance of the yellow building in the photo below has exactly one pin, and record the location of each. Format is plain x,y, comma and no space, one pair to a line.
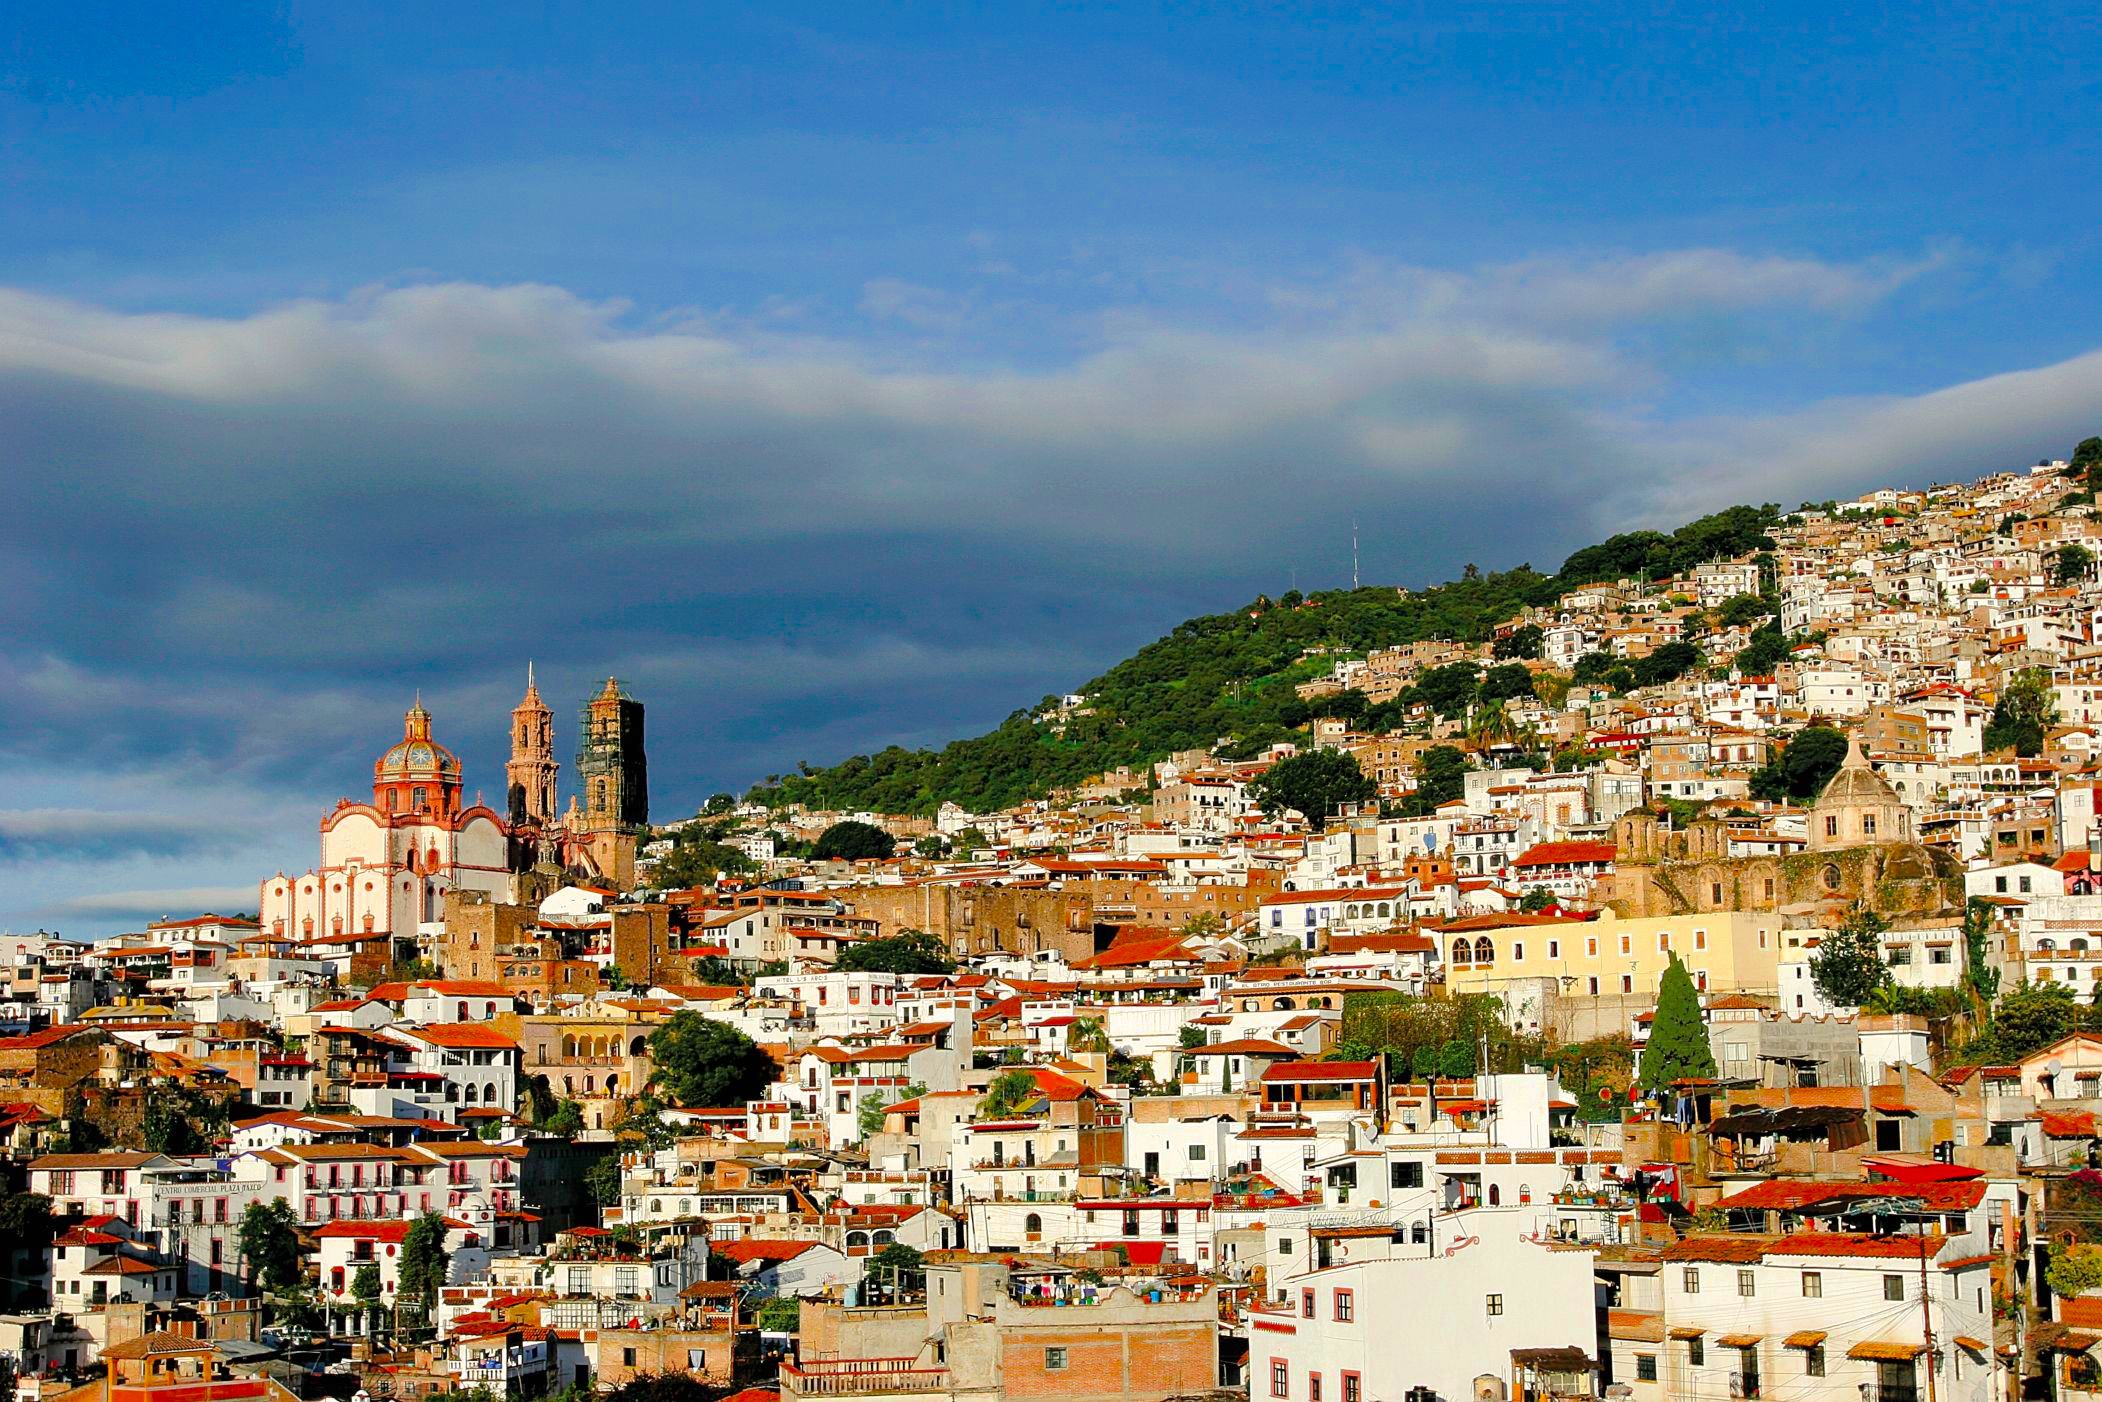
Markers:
1726,952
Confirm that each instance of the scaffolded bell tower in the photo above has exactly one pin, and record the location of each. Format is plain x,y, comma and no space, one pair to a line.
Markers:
610,763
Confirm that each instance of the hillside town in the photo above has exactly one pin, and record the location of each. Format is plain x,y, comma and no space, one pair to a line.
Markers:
1690,988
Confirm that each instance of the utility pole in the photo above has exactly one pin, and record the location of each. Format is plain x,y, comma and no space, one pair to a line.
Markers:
1927,1315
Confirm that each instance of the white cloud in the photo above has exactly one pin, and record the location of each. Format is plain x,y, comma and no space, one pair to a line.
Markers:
236,544
180,902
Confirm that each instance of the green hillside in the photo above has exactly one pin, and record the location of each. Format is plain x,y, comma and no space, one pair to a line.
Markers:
1233,674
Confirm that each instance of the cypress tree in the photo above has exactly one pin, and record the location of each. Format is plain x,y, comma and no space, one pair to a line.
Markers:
1678,1039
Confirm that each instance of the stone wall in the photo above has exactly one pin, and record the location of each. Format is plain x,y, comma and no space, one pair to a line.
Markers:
981,919
1901,879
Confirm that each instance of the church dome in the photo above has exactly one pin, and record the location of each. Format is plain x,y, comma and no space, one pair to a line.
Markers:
1857,784
416,756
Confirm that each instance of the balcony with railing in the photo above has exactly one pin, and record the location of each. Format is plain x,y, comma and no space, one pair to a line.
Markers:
860,1377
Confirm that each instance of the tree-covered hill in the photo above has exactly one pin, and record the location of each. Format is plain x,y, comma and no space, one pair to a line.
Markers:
1232,675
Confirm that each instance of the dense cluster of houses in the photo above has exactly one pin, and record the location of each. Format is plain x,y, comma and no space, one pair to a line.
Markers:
1137,1143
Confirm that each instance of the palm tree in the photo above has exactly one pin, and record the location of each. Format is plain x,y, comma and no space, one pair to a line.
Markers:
1491,726
1087,1034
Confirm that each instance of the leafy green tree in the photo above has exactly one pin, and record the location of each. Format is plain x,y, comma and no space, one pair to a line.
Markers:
701,1062
1448,690
1667,663
1423,1063
1536,900
1507,683
422,1273
1803,767
1678,1048
1848,967
2027,708
897,1269
540,1099
25,1219
907,952
1456,1059
1526,641
2069,565
854,841
2031,1016
603,1179
1591,667
873,1106
1441,777
701,863
26,1225
783,1314
268,1239
933,847
1008,1093
1981,979
1742,609
2087,456
1315,784
365,1289
565,1121
1768,649
972,838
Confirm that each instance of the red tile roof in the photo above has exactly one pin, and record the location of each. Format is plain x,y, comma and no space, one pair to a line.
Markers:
1793,1194
465,1035
1296,1071
1564,854
750,1250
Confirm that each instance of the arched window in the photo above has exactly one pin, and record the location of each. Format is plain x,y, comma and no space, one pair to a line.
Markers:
885,1238
1033,1224
1496,1195
1350,912
855,1239
639,1046
1484,951
1385,909
569,1046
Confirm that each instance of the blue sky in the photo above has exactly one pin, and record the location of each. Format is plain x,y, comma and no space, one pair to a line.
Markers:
842,375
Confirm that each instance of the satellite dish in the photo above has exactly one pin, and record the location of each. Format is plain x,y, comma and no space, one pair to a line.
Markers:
2053,1067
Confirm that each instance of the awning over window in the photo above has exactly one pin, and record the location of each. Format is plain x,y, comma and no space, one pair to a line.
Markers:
1885,1351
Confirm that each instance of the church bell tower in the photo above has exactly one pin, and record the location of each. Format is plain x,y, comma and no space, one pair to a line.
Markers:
530,776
